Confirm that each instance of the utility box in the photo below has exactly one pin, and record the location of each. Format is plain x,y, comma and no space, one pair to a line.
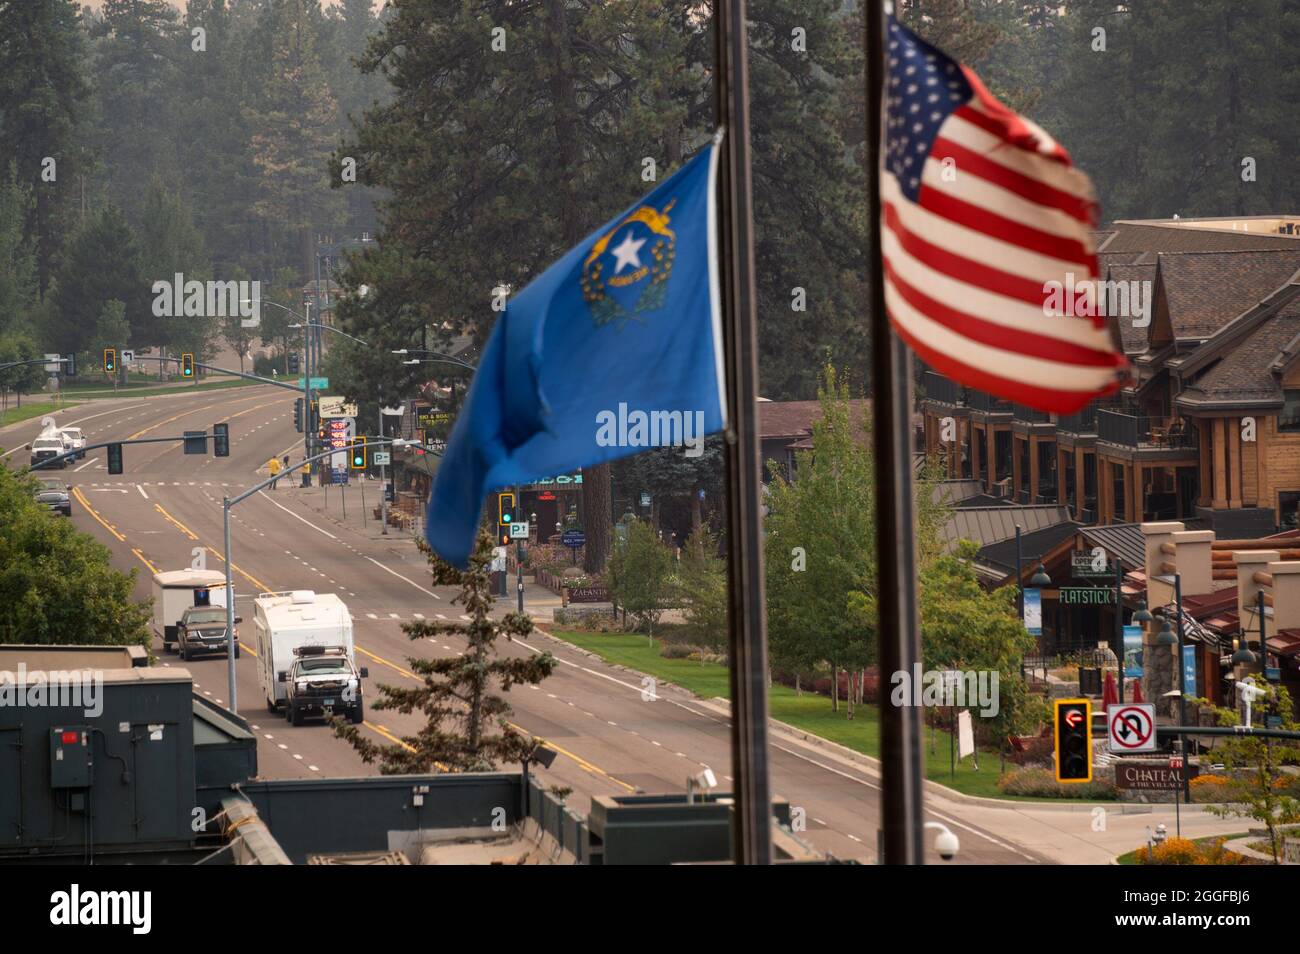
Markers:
70,757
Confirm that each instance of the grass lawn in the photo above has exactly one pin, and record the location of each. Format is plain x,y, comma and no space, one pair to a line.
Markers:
27,412
147,389
809,712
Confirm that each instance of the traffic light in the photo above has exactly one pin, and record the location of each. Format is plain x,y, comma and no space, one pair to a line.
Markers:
293,362
221,440
359,454
110,363
115,458
505,516
187,365
297,415
70,365
1073,740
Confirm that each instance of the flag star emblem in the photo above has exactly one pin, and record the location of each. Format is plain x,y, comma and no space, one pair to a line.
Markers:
627,253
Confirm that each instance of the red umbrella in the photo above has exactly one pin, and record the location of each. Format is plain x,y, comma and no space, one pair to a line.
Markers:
1137,690
1109,693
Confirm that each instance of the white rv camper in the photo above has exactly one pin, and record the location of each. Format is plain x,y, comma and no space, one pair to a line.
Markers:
292,619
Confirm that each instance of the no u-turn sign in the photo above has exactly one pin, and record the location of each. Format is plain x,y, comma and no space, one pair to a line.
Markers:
1132,727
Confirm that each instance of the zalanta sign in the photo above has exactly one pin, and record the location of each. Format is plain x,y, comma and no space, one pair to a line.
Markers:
1076,595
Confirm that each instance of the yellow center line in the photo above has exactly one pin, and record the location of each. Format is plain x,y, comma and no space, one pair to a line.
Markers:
380,730
193,410
81,498
144,559
180,526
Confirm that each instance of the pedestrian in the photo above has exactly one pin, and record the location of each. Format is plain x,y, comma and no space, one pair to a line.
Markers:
273,465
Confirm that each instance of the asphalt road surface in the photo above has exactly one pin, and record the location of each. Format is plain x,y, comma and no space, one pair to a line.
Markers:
611,740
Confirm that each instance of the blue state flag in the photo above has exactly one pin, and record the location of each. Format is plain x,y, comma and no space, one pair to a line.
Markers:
615,348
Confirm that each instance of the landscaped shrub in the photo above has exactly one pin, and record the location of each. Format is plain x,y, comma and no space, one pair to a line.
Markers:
1182,851
1037,751
678,651
1042,783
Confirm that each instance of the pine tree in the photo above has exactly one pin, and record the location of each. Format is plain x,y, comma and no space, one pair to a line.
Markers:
136,69
102,262
468,728
18,276
43,93
293,124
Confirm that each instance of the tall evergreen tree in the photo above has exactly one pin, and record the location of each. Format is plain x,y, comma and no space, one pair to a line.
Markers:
293,124
42,98
102,263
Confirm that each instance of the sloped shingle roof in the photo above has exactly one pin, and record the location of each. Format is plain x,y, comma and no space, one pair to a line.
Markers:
1206,290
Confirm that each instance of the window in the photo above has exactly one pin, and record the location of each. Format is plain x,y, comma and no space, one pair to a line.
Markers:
1289,419
1288,509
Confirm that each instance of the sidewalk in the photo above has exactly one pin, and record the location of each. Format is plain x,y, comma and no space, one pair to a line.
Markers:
351,506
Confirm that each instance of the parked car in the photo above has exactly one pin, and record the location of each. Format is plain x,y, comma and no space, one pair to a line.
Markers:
56,495
202,629
43,448
74,440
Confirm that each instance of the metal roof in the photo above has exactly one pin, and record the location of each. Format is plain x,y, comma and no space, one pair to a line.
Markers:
987,525
1123,540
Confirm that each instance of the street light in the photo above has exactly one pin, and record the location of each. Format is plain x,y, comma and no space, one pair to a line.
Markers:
1166,637
1143,615
1041,579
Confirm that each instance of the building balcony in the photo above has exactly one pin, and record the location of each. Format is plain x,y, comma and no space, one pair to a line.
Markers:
1138,432
1080,422
982,401
941,389
1020,412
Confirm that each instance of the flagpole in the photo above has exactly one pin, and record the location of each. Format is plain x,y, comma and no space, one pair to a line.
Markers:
747,632
899,631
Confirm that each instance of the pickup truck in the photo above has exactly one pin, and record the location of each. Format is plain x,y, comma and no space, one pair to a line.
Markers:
55,494
322,681
43,448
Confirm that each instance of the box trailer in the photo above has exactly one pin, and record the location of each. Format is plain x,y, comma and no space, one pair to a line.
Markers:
175,591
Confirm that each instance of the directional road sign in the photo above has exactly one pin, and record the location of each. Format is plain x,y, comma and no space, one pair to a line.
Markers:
1131,727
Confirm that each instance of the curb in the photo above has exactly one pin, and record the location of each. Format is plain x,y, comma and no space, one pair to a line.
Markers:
871,765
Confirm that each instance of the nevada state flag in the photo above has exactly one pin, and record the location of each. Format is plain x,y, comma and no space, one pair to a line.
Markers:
615,348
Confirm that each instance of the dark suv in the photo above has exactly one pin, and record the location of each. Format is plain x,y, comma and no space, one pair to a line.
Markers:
202,629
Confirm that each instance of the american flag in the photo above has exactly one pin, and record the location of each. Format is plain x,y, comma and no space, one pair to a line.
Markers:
982,212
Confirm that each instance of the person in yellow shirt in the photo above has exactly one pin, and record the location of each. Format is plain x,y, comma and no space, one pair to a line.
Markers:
273,465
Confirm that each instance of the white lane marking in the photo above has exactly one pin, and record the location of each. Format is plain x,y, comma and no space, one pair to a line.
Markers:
116,410
89,463
262,493
142,493
400,577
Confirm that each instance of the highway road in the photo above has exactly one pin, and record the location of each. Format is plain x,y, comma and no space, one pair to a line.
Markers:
611,739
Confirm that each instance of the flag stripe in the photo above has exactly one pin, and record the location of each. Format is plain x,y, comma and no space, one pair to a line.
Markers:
968,270
1004,227
1010,313
1032,190
1051,399
978,329
1066,179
